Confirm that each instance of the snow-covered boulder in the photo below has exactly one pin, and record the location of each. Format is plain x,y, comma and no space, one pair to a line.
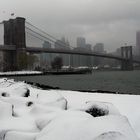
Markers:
76,125
17,135
51,98
5,110
97,109
51,118
4,82
9,122
112,135
18,90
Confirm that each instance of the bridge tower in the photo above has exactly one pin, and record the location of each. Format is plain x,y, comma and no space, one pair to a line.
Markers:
14,34
126,52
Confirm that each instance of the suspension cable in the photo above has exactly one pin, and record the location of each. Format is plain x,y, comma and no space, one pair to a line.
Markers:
40,35
35,36
41,30
46,38
46,33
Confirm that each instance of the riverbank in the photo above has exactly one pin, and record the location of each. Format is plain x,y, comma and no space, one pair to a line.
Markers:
114,81
47,87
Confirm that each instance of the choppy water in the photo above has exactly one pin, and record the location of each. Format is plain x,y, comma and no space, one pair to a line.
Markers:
121,81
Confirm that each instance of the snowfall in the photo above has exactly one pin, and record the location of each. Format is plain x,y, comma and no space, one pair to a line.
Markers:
30,113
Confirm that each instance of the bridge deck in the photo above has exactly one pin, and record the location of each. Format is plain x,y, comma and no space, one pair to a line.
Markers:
7,47
62,51
76,52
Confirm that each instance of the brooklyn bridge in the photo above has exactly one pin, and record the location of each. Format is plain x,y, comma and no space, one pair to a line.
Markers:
15,45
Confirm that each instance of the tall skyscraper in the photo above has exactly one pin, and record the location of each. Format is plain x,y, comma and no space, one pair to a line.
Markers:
137,49
88,47
46,57
99,47
81,42
81,46
62,44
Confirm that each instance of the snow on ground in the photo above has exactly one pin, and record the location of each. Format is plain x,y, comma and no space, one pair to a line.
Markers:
127,105
20,72
28,113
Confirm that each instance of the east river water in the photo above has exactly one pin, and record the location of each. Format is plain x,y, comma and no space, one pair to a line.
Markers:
120,81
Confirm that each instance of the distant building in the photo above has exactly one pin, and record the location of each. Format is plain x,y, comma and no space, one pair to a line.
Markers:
62,44
1,61
114,62
80,60
137,49
65,45
59,44
89,59
46,44
46,57
118,52
99,47
81,42
88,47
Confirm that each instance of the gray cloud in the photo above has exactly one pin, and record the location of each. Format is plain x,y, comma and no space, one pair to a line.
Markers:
113,22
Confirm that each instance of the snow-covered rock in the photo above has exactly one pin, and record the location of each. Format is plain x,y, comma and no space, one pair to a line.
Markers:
16,135
5,110
75,125
112,135
97,108
52,98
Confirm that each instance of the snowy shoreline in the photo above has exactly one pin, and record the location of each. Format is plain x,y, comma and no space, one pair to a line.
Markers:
28,113
20,73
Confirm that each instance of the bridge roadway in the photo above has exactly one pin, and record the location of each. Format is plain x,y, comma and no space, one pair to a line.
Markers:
62,51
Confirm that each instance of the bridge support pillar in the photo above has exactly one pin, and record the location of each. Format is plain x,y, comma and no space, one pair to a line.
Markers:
126,52
14,34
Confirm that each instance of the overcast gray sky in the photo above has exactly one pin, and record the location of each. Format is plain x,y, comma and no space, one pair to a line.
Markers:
112,22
